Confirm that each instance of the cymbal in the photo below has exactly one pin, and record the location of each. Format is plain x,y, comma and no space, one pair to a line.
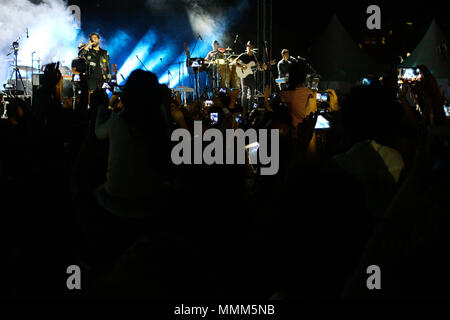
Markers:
220,61
27,68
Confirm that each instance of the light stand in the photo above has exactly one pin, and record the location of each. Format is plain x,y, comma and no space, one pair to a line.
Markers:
15,47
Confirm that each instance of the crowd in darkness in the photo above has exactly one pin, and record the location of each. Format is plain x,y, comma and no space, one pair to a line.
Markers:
99,190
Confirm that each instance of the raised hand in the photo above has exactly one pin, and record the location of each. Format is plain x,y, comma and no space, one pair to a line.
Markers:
334,105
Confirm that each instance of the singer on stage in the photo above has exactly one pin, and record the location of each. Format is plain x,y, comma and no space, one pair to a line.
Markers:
97,60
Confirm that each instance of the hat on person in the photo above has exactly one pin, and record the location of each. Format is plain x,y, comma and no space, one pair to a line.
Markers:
250,44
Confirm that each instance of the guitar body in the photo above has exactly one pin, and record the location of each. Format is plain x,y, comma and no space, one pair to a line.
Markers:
251,67
242,74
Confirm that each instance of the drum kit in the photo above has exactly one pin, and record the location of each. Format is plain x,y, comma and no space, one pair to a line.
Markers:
221,68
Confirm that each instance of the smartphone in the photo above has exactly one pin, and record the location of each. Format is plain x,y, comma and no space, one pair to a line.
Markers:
366,81
322,123
117,89
409,74
209,103
252,150
214,116
322,96
239,119
447,111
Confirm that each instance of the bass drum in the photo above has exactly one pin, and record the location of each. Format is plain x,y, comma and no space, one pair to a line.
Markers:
20,90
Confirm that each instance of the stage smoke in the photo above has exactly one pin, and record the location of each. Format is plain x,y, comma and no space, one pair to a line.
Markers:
52,30
203,22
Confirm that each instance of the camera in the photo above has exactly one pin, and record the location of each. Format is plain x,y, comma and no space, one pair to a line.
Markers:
208,103
409,74
322,123
366,81
117,90
322,97
238,119
214,117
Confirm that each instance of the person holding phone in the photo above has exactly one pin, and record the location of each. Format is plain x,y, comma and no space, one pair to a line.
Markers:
300,100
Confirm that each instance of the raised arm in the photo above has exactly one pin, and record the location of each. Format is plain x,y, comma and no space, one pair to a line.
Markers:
103,120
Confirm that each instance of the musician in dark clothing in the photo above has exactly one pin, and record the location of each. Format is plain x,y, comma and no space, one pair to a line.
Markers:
248,83
80,80
98,64
285,64
216,73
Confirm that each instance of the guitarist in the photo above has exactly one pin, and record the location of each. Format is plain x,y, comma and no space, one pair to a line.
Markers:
248,83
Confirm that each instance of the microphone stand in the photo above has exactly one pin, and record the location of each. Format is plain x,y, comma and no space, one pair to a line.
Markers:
240,42
142,64
169,74
272,78
255,75
198,37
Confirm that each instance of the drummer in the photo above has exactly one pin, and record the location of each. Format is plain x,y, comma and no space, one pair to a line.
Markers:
215,69
214,54
217,62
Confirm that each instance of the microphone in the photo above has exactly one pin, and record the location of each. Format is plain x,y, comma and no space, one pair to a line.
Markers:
235,39
200,37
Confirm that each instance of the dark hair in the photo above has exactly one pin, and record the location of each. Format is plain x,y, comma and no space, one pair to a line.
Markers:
371,112
94,34
142,98
297,74
52,75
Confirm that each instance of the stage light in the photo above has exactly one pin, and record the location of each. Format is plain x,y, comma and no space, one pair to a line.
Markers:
172,53
142,51
408,54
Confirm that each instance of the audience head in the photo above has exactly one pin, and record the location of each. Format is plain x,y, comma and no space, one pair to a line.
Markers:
143,109
297,74
52,75
371,113
141,91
